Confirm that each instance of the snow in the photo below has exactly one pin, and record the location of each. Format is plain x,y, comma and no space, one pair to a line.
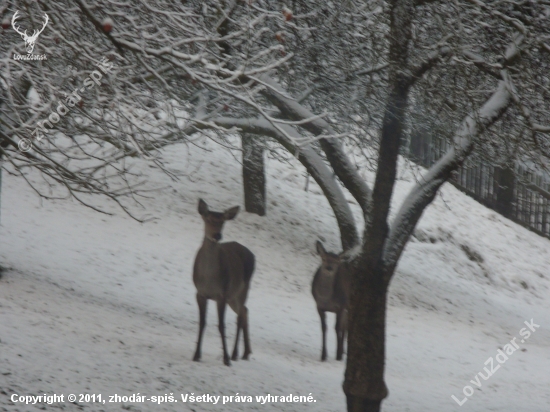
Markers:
91,303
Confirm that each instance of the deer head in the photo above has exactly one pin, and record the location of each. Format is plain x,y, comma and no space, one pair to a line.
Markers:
29,40
330,261
214,220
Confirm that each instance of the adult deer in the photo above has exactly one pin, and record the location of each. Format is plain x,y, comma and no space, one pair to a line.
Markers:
222,272
330,289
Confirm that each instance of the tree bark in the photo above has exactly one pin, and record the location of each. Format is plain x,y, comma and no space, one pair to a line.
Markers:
364,384
253,174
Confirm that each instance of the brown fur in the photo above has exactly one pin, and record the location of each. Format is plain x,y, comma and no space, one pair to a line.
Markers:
330,289
222,272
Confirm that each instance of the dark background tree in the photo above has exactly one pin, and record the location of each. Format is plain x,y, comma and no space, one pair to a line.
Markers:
253,174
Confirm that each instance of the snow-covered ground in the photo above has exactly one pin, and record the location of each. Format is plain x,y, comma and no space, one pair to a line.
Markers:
94,304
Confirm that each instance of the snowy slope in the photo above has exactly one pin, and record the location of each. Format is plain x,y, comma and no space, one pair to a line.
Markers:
91,303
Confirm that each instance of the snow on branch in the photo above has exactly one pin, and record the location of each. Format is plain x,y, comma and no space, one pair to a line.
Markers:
338,159
425,190
370,70
86,10
478,61
534,127
518,25
418,70
311,160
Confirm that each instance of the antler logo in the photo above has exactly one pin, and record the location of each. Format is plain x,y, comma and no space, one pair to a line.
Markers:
29,40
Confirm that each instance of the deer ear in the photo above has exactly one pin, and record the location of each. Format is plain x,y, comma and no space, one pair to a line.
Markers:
320,248
203,207
230,214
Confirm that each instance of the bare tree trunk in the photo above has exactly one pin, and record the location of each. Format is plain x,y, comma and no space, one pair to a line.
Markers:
364,384
253,174
364,378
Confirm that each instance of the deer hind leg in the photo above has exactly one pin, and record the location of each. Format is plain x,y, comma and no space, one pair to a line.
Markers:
341,325
221,328
238,310
247,348
235,355
344,329
323,317
201,300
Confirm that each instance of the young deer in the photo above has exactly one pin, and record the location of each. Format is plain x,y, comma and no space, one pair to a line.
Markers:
330,290
222,272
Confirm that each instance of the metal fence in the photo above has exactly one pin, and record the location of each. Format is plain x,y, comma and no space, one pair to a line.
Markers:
517,193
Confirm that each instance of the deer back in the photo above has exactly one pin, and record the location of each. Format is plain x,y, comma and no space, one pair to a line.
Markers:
342,285
238,262
322,289
222,269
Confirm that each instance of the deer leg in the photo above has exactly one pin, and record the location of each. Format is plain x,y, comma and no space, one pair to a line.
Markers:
221,328
235,354
339,334
323,317
247,348
201,300
344,328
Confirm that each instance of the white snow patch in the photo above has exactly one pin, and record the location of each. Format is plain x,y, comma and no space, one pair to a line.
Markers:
102,304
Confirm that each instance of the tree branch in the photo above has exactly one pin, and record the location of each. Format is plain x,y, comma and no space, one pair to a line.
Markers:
424,191
482,65
423,2
314,164
418,70
85,9
334,151
510,20
369,70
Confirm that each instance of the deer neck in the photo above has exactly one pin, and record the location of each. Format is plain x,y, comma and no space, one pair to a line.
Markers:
207,273
325,274
210,244
209,258
210,253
